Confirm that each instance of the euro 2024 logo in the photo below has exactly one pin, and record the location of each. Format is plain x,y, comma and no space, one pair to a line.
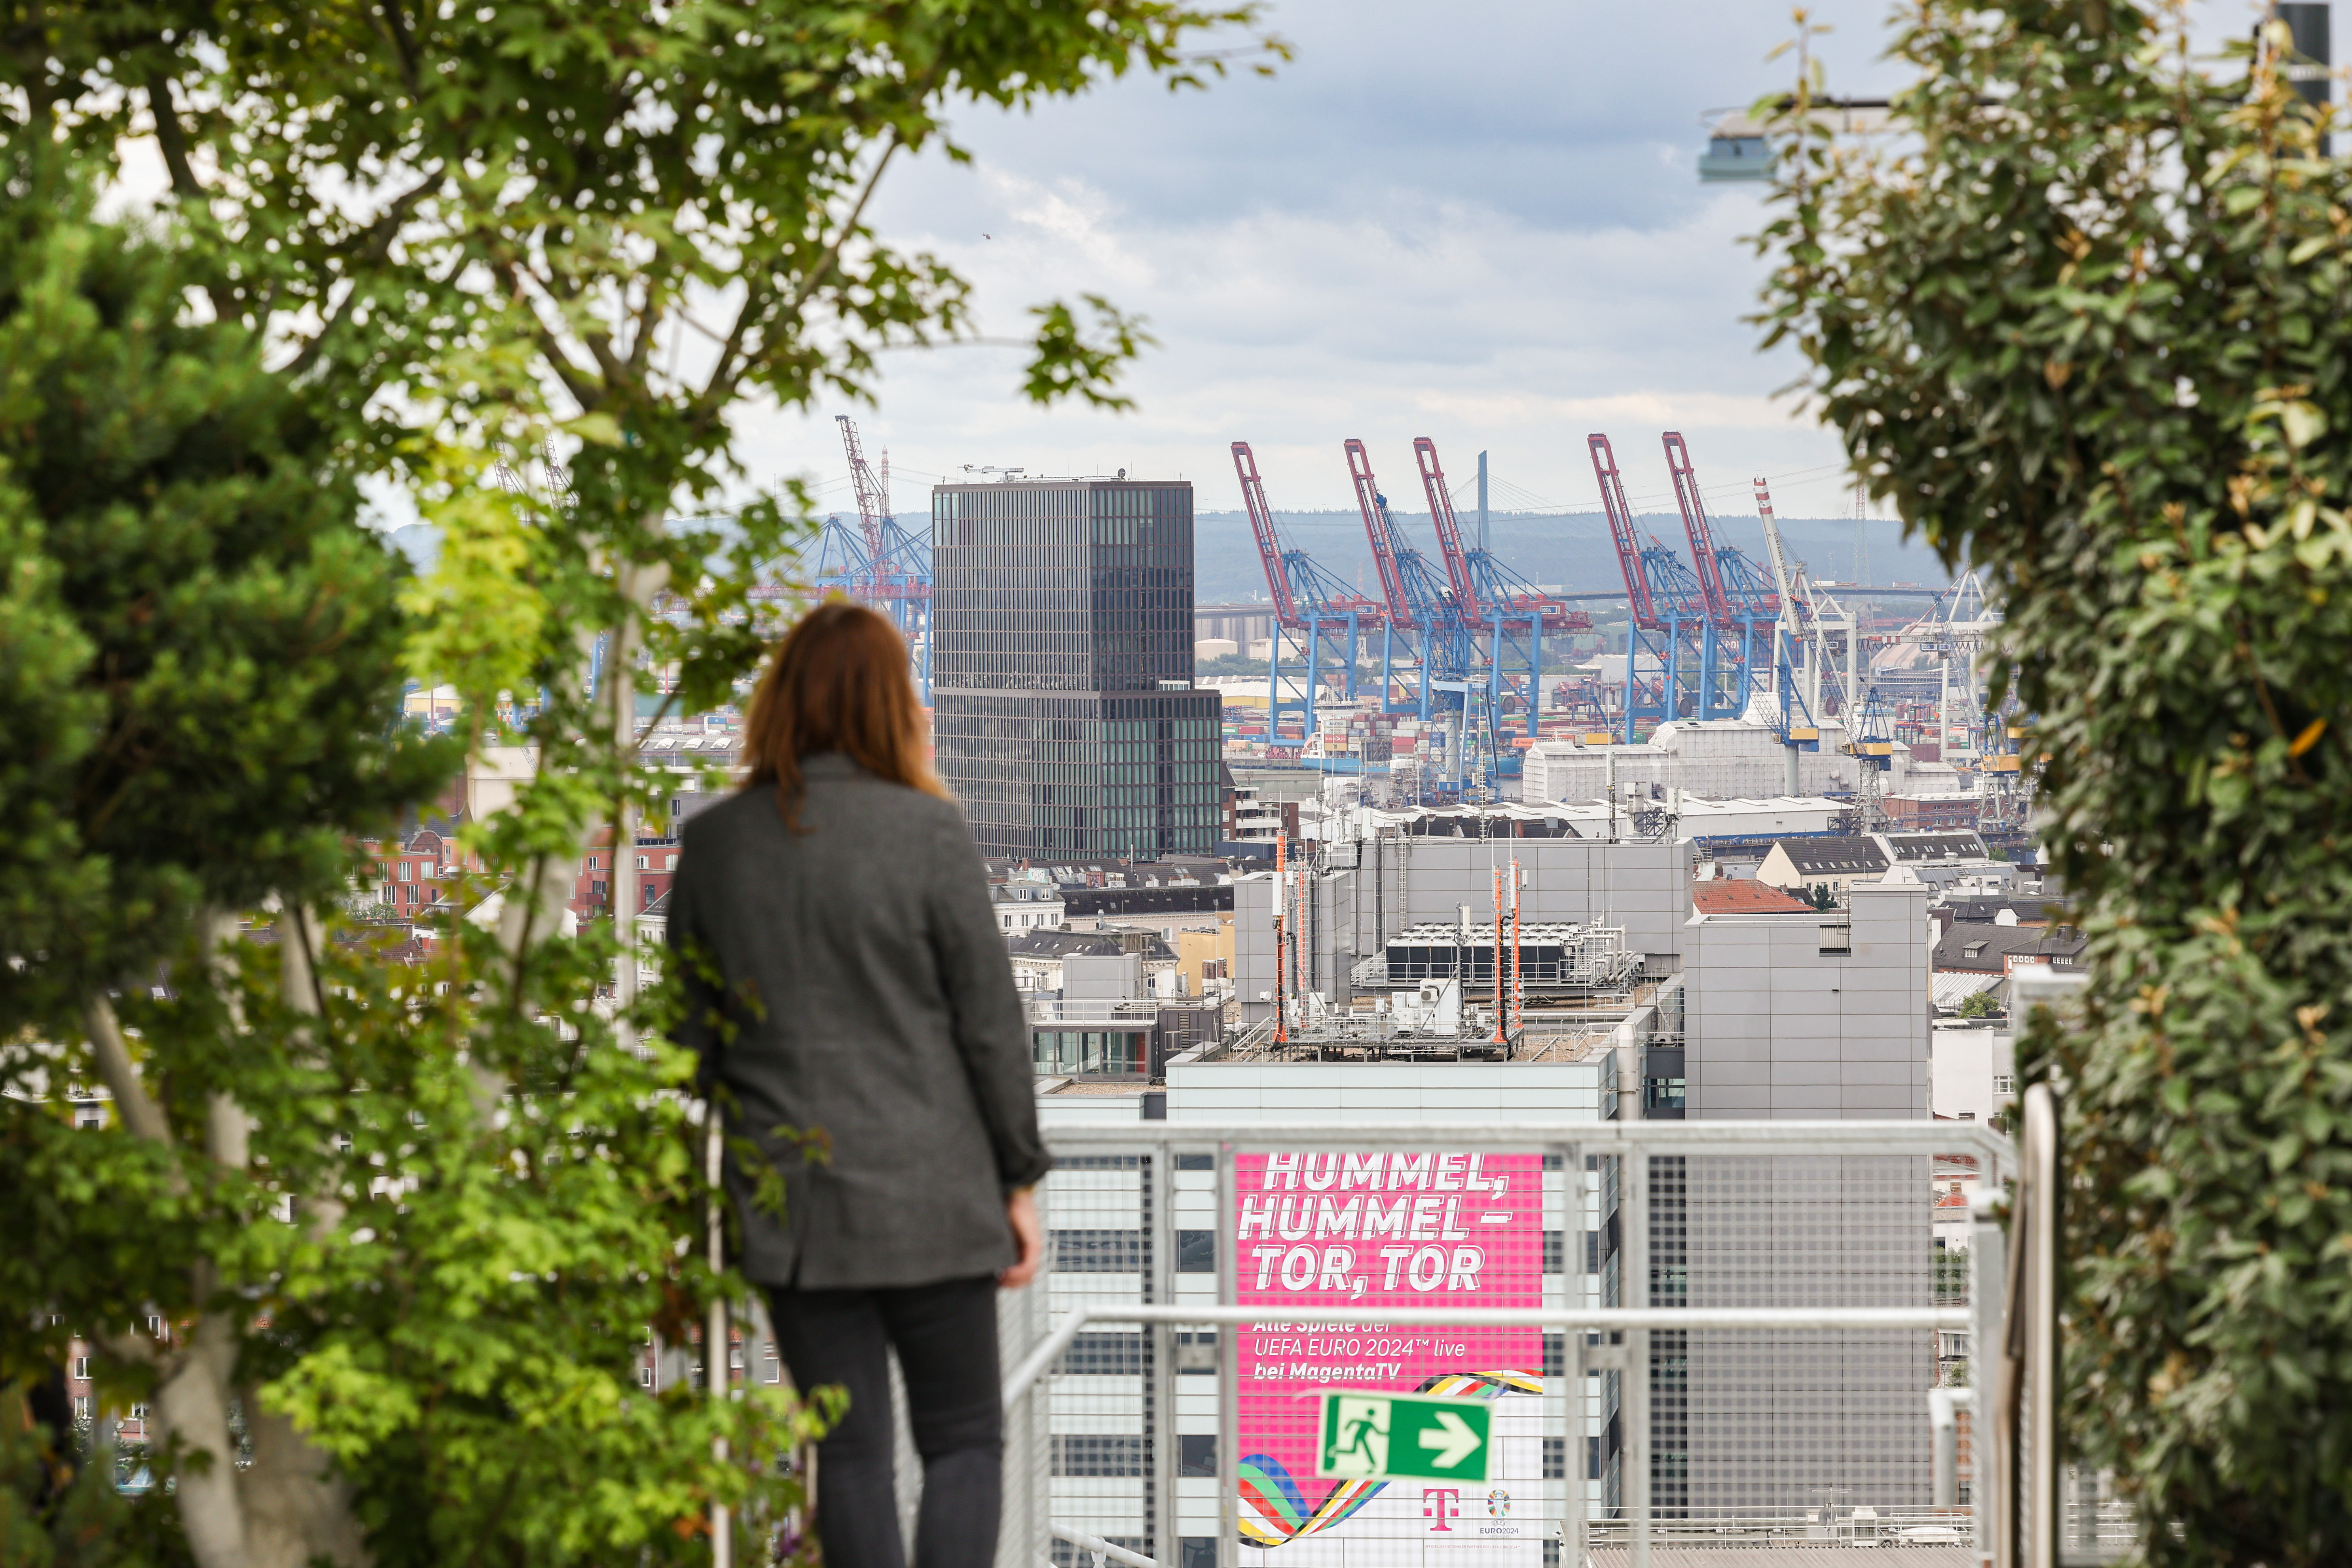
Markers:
1498,1503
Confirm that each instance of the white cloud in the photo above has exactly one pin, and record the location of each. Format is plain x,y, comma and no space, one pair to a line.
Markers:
1476,223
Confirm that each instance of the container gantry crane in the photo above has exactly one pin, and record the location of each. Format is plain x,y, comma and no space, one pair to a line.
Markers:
1820,635
1442,679
1736,603
1329,621
1794,721
880,564
1490,599
1664,606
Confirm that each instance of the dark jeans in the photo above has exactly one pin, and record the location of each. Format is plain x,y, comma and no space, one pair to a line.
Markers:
945,1335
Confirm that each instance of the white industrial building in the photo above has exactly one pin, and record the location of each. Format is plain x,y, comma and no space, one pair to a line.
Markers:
1768,816
1362,891
1716,759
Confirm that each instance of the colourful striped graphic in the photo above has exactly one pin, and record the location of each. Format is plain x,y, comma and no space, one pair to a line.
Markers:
1272,1508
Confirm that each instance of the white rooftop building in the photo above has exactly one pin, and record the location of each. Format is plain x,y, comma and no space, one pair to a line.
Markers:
1716,758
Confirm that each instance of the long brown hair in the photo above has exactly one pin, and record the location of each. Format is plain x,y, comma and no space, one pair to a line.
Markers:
839,683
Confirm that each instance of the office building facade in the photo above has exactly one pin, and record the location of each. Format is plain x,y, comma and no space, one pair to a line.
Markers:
1064,716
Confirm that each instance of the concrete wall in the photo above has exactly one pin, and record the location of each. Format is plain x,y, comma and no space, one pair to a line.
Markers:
1529,1093
1971,1070
1776,1027
1645,888
1254,946
1107,977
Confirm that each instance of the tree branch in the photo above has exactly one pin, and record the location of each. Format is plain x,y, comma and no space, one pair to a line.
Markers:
172,138
724,372
549,347
404,43
372,245
832,255
137,1108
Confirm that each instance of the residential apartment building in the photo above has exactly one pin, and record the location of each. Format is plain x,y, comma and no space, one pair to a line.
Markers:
1835,863
1985,947
1025,905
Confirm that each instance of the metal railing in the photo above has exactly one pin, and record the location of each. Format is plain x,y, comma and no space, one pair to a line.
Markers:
1612,1339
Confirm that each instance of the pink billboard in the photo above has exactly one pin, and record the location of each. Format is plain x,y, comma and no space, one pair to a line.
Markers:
1376,1229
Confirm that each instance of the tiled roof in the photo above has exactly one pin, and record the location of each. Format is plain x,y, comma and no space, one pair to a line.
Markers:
1974,947
1744,896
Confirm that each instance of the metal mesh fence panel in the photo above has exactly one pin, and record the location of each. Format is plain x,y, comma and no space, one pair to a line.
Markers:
1761,1437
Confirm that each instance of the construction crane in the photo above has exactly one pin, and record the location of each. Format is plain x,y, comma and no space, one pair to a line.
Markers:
1328,619
870,502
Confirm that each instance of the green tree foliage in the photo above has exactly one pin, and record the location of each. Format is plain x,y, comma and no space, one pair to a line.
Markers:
417,1222
1983,1004
60,1508
2087,322
198,648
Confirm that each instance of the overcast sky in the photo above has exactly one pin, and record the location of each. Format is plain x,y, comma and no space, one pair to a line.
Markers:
1477,222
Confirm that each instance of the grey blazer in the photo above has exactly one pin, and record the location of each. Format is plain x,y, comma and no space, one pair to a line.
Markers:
850,980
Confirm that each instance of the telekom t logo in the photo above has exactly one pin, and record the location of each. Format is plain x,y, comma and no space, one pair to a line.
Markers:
1441,1504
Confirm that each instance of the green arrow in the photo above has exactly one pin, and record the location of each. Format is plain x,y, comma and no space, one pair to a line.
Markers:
1455,1443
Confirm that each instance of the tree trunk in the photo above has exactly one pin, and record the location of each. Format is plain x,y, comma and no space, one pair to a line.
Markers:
296,1510
287,1510
192,1410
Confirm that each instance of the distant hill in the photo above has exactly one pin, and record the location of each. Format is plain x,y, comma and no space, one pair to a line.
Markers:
1571,552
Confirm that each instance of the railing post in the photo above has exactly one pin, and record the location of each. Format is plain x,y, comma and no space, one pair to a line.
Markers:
1633,1199
1160,1285
2040,1305
1229,1413
1988,1280
716,1373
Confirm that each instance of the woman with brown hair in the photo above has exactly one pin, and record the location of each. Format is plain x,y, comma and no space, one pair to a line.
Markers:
847,980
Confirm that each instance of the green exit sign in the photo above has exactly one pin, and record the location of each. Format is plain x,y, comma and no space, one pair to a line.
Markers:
1403,1436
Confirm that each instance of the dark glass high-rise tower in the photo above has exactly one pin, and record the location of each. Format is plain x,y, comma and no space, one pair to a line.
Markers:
1063,714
